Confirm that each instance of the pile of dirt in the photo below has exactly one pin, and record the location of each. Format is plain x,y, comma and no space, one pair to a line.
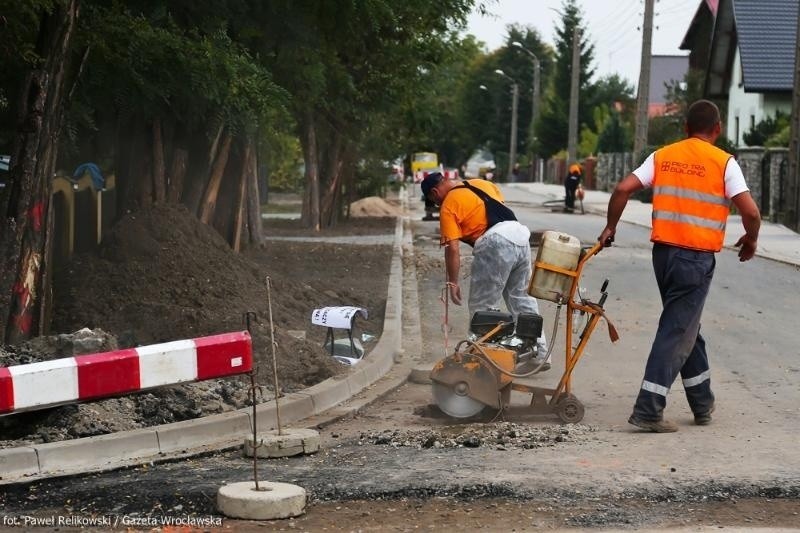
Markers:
161,275
374,206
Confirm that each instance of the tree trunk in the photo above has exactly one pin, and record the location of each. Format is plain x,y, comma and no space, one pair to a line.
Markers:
197,171
349,181
214,182
334,164
254,226
23,234
238,208
177,173
310,217
159,172
212,152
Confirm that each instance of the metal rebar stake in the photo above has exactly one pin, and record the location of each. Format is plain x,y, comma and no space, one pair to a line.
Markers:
274,358
253,389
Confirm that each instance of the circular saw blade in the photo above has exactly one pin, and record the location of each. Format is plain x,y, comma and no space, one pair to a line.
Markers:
454,403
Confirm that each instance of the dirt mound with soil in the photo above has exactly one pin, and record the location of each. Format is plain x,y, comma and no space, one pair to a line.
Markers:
161,275
374,206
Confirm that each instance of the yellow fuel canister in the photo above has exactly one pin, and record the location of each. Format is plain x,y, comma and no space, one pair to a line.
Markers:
561,251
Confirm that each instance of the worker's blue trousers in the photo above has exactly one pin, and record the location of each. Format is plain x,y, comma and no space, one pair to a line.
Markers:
683,277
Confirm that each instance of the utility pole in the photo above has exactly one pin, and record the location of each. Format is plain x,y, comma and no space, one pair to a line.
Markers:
512,148
537,81
791,212
643,96
572,136
537,70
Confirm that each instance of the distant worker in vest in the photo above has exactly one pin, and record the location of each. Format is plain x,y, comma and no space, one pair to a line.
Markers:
571,183
693,185
472,211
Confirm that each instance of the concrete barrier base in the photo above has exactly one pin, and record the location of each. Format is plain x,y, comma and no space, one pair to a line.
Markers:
271,501
421,374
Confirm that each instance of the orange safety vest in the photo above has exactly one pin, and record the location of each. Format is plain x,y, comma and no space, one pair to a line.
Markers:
689,204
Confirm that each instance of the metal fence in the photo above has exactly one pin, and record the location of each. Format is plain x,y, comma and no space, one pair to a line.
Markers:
766,171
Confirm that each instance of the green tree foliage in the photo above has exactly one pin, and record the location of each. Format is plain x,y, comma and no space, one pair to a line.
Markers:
665,129
589,135
552,128
432,118
145,65
19,27
613,117
768,131
351,67
614,137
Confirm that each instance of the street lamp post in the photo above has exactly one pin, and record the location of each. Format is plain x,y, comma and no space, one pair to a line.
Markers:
512,149
535,101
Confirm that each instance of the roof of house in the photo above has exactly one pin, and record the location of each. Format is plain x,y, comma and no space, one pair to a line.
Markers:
767,35
663,70
706,8
765,32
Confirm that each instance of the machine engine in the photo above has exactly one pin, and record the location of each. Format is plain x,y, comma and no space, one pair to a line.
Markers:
520,337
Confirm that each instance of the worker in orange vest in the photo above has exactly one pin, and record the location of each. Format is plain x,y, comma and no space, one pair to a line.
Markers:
693,184
571,183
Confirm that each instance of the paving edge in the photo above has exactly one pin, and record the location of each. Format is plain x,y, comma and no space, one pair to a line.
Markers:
316,406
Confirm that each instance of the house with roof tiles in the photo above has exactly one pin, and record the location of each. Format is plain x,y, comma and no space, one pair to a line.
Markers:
747,50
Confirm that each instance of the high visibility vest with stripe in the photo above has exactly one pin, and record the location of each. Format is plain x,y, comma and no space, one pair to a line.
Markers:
689,204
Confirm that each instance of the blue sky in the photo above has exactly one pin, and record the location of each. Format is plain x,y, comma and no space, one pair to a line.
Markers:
611,24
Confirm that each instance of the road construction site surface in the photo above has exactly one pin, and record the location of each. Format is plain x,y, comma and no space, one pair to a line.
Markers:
399,465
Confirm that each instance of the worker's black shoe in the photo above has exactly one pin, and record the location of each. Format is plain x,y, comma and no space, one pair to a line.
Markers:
656,426
531,364
703,419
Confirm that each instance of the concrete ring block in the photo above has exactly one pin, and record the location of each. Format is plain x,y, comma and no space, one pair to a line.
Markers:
286,444
271,501
421,375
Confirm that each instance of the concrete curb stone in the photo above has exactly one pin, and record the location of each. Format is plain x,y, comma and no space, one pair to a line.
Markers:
190,434
20,461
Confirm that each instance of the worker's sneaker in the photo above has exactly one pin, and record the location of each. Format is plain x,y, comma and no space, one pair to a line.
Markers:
703,419
656,426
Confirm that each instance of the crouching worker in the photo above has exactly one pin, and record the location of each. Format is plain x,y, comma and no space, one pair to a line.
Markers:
472,211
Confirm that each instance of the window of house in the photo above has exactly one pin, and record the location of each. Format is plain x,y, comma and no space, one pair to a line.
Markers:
736,130
752,122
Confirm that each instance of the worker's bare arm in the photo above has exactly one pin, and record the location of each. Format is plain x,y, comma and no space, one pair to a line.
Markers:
452,260
616,205
751,220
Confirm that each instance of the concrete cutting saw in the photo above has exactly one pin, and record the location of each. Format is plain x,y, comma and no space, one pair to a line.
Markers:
482,370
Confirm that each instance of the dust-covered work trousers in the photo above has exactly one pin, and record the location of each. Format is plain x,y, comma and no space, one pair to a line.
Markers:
502,268
683,277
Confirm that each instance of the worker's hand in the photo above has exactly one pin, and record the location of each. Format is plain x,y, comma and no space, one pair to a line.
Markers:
607,237
747,247
455,293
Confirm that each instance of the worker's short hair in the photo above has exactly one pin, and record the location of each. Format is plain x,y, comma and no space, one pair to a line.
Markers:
703,115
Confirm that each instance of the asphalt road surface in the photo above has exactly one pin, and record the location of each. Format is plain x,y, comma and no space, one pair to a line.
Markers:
400,465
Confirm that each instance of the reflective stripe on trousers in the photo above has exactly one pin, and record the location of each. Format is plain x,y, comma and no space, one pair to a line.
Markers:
502,268
683,277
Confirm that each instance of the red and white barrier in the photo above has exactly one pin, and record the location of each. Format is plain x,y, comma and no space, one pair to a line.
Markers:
100,375
449,174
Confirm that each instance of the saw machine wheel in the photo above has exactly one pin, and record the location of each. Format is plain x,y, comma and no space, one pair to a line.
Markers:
569,409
